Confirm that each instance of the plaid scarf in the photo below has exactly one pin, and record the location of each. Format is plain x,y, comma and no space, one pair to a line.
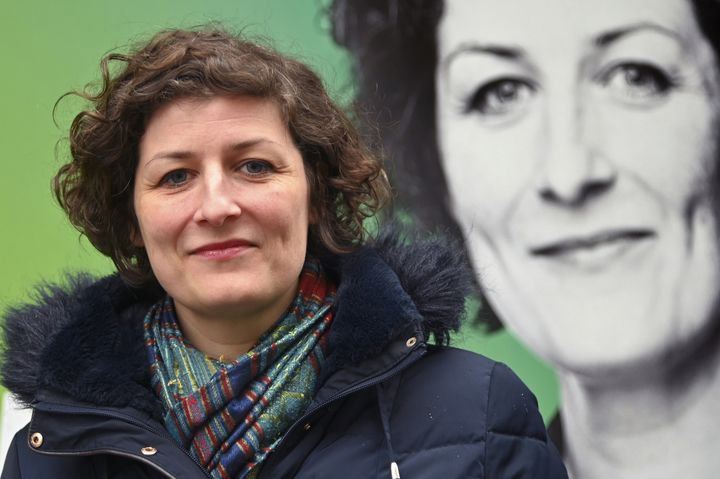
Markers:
230,416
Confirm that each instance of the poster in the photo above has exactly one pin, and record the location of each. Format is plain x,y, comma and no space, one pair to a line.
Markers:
573,147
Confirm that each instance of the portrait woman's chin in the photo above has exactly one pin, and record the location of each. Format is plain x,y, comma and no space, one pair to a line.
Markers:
579,153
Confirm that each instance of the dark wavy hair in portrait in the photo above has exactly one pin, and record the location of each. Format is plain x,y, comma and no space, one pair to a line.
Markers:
393,44
347,183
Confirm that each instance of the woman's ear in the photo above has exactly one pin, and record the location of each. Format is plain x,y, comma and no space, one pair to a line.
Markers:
135,237
312,213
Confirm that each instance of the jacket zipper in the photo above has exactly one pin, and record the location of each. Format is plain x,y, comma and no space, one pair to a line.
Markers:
125,418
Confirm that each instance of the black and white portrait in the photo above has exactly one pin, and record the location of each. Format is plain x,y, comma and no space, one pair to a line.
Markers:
572,145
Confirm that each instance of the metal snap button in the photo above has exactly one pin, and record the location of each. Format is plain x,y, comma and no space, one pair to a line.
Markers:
411,342
307,426
148,451
36,440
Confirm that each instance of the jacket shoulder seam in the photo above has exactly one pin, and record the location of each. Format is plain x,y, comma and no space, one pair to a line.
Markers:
518,436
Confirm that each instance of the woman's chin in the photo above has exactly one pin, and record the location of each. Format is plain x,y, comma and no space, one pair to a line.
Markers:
600,347
222,304
607,368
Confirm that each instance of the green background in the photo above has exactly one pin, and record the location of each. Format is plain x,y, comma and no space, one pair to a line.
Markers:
50,47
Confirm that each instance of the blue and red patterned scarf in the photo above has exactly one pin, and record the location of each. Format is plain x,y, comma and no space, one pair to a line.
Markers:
230,416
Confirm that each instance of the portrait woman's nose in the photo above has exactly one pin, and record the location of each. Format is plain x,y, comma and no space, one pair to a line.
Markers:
217,199
573,168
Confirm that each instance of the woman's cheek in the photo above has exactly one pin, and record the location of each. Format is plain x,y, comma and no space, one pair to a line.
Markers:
488,169
669,149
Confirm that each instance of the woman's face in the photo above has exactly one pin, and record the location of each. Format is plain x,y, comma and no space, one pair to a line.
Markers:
222,202
579,138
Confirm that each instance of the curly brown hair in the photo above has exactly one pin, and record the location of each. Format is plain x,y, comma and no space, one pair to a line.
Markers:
95,188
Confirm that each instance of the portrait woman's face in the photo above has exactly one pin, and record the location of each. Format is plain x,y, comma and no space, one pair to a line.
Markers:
578,140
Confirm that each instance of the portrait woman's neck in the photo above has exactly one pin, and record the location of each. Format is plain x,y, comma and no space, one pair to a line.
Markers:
657,422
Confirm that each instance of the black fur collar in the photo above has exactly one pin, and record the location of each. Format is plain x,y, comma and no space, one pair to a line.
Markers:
86,341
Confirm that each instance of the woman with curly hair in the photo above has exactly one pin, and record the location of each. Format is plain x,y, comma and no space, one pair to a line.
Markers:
253,329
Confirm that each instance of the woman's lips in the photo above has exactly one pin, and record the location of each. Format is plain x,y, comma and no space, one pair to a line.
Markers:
223,250
593,251
604,238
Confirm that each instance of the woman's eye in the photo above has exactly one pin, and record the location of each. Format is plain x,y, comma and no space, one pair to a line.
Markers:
638,82
256,167
175,178
501,97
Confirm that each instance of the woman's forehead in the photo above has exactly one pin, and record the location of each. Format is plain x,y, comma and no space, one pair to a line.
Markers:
524,26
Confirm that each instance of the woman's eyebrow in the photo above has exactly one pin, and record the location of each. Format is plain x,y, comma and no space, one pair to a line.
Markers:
607,38
501,51
179,155
174,155
251,143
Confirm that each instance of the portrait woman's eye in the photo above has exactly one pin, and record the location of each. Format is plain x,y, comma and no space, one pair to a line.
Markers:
175,178
256,167
637,83
501,98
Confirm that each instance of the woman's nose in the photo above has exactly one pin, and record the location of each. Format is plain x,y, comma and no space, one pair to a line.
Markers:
574,167
218,202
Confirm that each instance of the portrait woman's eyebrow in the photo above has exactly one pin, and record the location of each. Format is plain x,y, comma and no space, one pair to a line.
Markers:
255,327
573,147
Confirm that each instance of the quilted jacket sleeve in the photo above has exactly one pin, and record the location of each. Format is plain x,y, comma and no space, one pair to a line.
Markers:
517,444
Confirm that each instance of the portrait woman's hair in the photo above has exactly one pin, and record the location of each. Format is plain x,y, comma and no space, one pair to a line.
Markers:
395,56
347,183
394,50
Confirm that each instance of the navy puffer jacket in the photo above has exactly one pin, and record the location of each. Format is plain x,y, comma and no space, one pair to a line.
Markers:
390,405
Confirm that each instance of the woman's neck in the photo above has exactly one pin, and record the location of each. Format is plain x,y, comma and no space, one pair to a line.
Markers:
221,339
232,333
660,423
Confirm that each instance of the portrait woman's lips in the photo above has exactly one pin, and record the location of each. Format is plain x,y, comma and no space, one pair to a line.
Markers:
593,251
223,250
